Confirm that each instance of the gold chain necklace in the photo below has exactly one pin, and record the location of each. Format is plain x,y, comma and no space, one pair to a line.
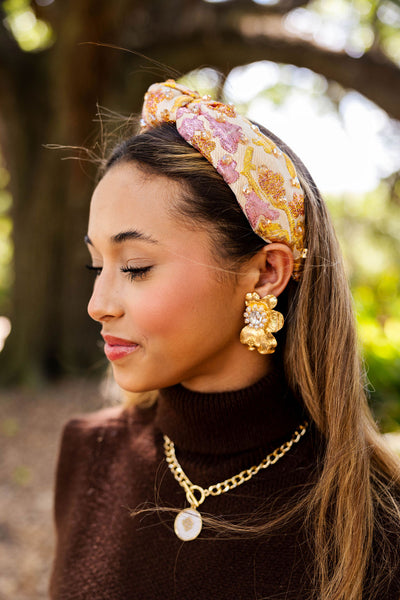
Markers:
188,522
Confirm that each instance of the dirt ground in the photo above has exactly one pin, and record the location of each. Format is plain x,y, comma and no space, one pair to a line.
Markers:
30,429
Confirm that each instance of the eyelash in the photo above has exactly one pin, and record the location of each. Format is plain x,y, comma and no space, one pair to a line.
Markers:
136,272
132,272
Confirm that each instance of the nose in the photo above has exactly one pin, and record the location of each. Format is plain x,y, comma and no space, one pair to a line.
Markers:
106,302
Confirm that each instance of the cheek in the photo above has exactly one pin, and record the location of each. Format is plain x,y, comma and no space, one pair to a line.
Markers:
162,314
173,308
184,303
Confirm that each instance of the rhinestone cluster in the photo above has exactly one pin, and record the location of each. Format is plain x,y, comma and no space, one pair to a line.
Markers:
255,316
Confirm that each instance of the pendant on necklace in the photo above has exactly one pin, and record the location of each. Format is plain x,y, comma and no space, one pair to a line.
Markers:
188,524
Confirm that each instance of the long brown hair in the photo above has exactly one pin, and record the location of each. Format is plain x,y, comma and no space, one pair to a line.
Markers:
349,507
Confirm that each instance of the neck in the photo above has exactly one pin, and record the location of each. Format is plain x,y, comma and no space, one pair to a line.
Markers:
257,416
247,369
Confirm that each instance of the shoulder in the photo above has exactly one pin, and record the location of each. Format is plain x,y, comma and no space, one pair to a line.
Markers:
94,449
107,422
102,436
86,424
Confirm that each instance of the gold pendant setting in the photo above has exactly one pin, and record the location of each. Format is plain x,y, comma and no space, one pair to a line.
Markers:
188,524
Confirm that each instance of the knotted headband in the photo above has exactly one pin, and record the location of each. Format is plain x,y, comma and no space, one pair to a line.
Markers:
261,176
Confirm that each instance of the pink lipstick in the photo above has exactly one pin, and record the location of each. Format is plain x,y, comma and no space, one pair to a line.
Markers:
116,348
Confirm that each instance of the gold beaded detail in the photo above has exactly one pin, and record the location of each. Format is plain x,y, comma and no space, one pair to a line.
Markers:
262,177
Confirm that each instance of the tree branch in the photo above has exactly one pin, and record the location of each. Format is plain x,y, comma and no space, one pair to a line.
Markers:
373,74
250,8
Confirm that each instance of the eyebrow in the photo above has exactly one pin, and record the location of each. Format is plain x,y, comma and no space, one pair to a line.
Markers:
123,236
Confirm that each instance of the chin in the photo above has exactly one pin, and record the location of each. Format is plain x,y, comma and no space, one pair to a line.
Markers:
132,386
138,379
137,384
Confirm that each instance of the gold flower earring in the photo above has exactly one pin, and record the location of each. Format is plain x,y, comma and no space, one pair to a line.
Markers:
261,321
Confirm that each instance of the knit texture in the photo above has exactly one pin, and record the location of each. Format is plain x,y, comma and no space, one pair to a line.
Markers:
112,463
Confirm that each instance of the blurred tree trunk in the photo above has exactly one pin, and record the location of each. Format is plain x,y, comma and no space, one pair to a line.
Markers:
50,97
45,98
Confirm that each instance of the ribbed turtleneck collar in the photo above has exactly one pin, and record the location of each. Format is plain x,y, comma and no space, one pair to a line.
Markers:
229,422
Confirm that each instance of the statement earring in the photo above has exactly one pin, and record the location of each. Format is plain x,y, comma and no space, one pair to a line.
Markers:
262,322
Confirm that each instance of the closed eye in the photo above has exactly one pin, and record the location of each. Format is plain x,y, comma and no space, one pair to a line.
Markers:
136,272
133,272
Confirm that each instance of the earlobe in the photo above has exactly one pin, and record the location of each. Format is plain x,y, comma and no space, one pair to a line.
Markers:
276,269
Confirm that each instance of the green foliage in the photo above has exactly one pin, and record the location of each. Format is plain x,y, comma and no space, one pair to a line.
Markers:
205,81
31,33
5,241
368,228
355,26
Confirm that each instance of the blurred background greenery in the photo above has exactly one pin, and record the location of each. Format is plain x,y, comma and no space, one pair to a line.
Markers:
324,75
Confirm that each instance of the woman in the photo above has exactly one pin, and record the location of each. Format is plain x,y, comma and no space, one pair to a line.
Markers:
254,474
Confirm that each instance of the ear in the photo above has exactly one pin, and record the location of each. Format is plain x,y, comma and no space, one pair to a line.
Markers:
275,263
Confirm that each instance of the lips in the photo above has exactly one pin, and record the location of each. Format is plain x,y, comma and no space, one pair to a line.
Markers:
116,348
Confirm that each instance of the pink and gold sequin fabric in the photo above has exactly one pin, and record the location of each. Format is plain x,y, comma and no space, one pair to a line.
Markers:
261,176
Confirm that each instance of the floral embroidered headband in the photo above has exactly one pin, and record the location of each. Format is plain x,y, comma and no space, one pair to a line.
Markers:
261,176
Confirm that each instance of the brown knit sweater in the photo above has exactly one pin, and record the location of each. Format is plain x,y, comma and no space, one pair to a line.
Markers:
112,462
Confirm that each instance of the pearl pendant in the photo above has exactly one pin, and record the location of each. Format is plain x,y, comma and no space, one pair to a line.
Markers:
188,524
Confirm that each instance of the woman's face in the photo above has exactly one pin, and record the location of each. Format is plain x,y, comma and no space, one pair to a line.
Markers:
166,316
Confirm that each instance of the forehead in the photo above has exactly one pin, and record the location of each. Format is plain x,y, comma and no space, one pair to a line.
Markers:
126,191
126,195
128,199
